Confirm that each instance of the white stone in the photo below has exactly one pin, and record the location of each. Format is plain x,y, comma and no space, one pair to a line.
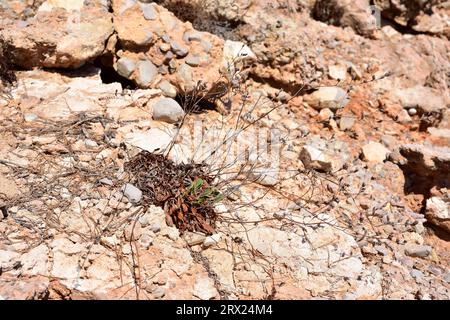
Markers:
30,117
147,73
168,89
375,152
90,143
125,67
414,250
149,11
8,258
172,233
325,115
153,140
69,5
204,288
211,240
314,158
111,241
64,266
167,110
106,181
420,97
146,240
438,208
132,193
35,262
338,72
328,97
234,51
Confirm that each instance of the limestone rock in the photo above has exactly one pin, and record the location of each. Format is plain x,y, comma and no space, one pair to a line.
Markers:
374,152
418,250
328,97
167,110
132,193
60,38
438,213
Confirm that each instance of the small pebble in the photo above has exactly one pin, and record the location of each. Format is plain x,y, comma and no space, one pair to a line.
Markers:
164,47
156,228
178,49
168,89
416,274
414,250
106,181
125,67
132,193
193,61
29,117
412,111
149,11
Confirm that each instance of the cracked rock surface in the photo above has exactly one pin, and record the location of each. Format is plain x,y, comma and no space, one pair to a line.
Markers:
355,206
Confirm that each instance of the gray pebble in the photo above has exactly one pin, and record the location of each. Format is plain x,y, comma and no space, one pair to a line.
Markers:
106,181
185,72
168,89
167,110
381,250
179,50
192,35
346,123
414,250
132,193
163,70
125,67
193,61
164,47
22,24
283,96
149,11
147,73
416,274
168,56
447,277
166,38
434,270
173,65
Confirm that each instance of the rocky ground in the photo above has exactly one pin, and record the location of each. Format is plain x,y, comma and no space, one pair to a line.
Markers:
352,204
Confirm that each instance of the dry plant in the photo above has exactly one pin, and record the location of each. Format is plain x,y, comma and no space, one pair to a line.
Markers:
7,75
191,193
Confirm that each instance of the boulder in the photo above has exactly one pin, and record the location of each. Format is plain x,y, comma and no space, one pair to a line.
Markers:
59,38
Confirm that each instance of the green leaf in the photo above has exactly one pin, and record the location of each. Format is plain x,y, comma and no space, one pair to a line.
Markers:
218,198
198,184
